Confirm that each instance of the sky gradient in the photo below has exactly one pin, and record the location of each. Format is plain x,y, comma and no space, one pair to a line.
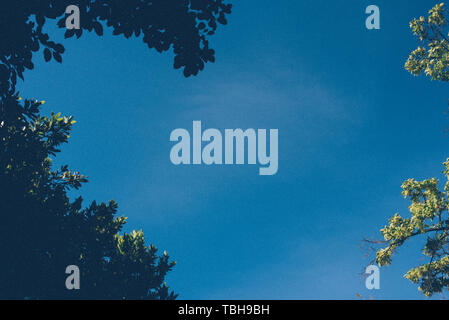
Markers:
353,125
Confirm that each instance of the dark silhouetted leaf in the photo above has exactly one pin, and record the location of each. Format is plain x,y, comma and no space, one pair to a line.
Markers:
98,28
69,33
57,56
47,54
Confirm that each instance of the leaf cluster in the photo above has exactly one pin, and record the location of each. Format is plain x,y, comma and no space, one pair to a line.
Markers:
42,230
429,217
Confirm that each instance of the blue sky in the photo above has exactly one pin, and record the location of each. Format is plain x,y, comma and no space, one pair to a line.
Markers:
353,124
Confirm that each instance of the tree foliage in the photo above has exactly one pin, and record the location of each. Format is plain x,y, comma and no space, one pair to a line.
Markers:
432,58
43,231
429,217
429,207
183,25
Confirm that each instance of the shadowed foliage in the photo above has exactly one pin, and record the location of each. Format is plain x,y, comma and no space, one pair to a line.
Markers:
183,25
42,230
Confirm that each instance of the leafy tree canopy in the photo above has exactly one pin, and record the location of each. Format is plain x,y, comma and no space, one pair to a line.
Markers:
429,217
183,25
432,58
42,231
429,204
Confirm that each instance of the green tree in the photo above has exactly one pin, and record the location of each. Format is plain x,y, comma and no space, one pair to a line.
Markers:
432,58
429,205
429,217
43,231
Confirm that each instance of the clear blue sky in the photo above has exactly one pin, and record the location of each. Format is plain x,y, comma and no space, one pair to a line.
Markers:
353,124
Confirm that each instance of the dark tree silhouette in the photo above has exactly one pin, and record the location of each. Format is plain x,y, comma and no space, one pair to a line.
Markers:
183,25
42,230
